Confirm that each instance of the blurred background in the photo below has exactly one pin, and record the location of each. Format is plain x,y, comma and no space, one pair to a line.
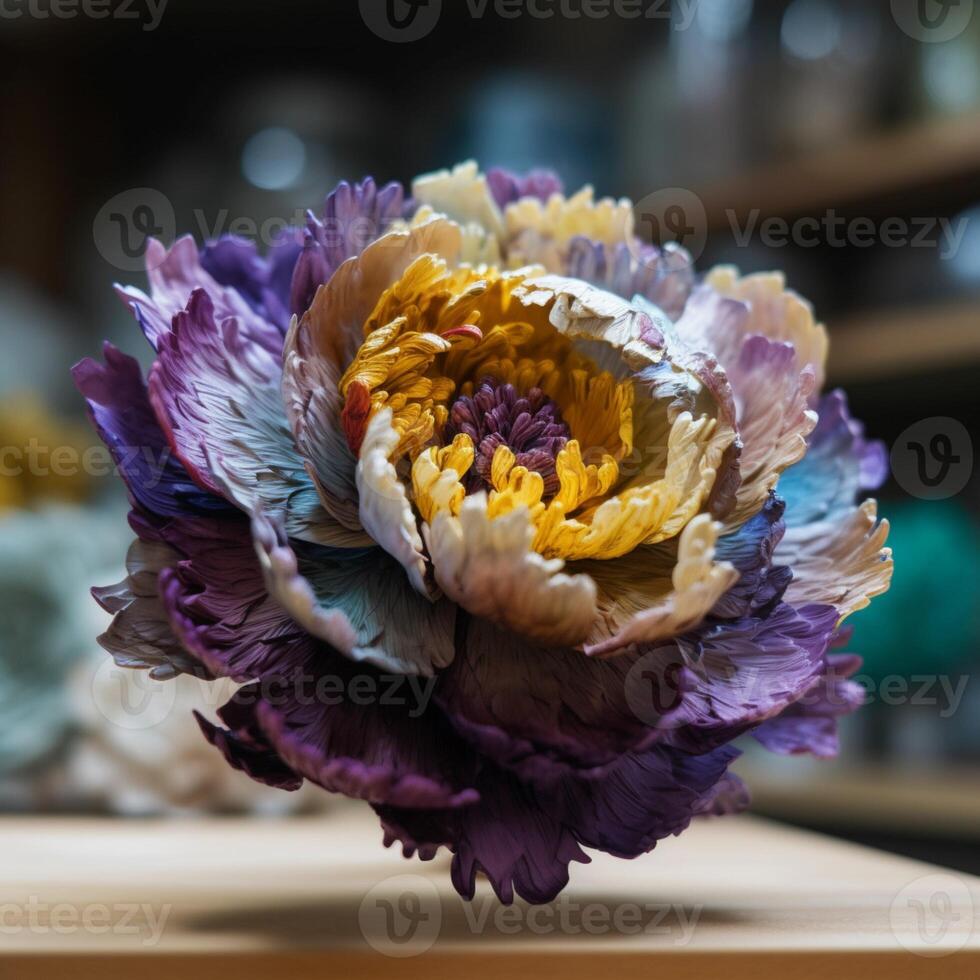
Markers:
839,141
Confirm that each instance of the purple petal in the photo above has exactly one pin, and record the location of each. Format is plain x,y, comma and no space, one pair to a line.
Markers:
243,745
517,843
541,712
507,187
176,273
742,672
810,724
645,797
750,550
354,215
264,282
120,410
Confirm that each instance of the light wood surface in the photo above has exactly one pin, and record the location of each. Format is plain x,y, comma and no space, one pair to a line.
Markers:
939,803
734,897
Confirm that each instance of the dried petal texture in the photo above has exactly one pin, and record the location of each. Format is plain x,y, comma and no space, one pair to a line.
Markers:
354,215
244,746
645,797
545,712
140,634
323,714
836,549
462,194
541,233
217,398
740,673
663,277
486,564
348,742
120,409
773,419
776,313
263,281
385,511
174,274
321,346
810,724
521,846
359,602
844,562
666,606
771,387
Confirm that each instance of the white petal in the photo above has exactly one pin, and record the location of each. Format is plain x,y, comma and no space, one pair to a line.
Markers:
384,508
487,566
677,603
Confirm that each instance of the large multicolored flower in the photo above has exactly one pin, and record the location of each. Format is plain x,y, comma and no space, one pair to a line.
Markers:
482,445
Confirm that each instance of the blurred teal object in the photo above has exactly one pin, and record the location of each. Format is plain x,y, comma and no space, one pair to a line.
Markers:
47,617
928,622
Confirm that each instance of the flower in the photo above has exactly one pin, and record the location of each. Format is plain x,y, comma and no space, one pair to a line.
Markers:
507,523
46,624
137,750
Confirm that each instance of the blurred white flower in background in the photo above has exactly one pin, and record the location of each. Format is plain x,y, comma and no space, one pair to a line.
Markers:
78,732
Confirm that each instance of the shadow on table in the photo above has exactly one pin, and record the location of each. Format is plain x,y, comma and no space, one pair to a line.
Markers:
353,920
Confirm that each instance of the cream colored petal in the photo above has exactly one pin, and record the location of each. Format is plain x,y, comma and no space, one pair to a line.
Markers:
384,508
776,313
486,565
774,419
588,314
461,193
641,603
540,231
480,247
321,345
842,562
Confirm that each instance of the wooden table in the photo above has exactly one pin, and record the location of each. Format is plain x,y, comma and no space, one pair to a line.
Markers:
319,897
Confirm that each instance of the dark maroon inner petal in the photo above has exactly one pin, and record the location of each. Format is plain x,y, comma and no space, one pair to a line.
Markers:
530,425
